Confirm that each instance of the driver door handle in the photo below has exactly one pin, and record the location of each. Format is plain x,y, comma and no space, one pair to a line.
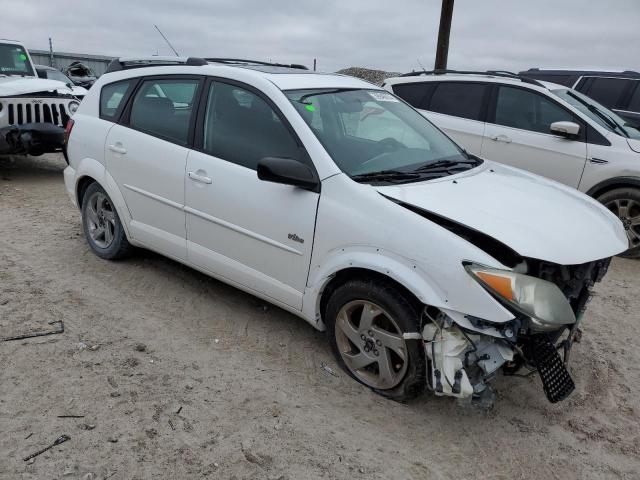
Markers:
199,178
501,138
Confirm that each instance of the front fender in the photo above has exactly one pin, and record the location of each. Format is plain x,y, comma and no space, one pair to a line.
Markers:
401,269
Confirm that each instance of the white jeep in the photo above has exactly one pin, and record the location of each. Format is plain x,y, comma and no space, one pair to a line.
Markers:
33,111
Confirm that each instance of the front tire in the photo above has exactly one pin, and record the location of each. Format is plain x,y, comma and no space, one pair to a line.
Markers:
366,321
101,224
625,204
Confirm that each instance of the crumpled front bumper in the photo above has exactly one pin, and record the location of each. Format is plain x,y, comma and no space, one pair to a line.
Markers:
31,139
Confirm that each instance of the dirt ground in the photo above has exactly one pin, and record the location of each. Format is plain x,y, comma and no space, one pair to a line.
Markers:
178,376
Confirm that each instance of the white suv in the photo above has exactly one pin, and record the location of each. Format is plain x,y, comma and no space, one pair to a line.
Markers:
333,199
541,127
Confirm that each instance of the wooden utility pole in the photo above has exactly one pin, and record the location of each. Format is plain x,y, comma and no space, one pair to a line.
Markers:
50,53
442,50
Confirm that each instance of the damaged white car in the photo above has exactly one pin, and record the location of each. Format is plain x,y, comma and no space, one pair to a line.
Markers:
333,199
33,111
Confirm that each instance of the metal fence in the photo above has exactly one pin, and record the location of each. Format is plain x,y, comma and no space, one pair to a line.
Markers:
97,63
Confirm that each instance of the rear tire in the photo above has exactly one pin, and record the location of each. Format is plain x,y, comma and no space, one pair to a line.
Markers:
101,224
625,204
366,320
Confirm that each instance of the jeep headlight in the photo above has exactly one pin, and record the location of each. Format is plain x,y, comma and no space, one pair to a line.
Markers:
73,107
539,299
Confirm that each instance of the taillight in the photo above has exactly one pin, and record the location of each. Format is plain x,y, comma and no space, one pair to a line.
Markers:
67,131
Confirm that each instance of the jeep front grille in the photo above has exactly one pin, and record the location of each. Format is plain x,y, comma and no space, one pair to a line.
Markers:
26,112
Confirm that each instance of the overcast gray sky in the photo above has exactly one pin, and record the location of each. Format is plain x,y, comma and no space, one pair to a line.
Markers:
391,35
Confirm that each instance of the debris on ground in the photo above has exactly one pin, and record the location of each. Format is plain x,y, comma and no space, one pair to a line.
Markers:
58,441
140,347
70,416
38,333
328,370
373,76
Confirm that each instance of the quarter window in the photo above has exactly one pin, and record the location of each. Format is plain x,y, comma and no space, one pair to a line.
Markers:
164,108
634,102
242,128
111,97
526,110
460,99
607,91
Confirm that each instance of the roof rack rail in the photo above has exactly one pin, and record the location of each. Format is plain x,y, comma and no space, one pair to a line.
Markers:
493,73
154,61
242,61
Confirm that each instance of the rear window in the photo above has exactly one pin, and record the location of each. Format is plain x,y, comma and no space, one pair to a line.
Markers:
459,99
415,94
111,98
607,91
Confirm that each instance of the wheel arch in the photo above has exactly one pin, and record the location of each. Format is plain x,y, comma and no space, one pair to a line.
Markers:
89,171
613,184
342,276
368,262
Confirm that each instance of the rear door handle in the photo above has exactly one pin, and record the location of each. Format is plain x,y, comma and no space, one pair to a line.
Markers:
501,138
118,148
199,178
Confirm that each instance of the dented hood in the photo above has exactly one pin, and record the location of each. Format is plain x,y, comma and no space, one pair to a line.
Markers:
14,86
534,216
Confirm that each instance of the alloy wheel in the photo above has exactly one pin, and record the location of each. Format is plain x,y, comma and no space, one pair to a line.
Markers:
628,211
371,344
101,220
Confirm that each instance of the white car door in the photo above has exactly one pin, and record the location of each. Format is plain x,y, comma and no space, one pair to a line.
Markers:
256,234
519,135
147,154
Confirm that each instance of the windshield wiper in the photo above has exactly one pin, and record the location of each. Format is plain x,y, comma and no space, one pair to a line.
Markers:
385,175
446,165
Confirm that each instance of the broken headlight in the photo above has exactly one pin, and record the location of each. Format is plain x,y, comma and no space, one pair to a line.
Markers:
542,301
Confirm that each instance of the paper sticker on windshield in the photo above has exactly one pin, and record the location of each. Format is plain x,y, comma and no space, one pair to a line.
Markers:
382,96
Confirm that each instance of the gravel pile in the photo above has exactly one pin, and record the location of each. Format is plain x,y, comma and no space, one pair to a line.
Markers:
373,76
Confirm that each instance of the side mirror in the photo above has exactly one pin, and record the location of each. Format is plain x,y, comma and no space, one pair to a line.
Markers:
565,129
288,172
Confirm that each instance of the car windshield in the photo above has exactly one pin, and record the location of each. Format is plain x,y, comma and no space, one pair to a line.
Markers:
598,113
57,75
14,60
373,136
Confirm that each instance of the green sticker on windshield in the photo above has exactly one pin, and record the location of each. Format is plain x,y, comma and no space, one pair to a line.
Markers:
23,57
311,108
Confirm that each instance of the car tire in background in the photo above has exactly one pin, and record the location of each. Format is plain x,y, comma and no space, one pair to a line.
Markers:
101,224
625,204
366,321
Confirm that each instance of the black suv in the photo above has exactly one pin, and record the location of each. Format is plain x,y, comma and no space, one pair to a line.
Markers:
619,91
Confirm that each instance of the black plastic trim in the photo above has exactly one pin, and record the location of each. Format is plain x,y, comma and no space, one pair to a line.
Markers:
610,184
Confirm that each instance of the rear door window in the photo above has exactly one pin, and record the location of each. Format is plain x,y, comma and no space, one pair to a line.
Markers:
607,91
415,94
459,99
528,110
164,108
